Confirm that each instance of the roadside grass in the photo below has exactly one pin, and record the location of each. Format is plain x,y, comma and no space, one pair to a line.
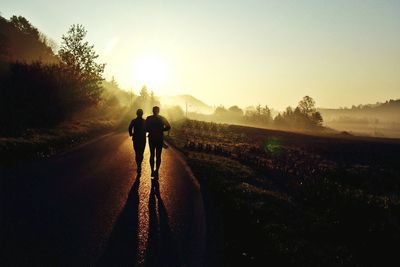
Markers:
46,142
302,201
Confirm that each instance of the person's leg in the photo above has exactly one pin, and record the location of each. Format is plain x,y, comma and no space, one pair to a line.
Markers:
139,150
152,152
142,148
158,156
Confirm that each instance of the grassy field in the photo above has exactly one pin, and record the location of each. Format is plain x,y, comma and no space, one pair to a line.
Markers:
47,142
280,198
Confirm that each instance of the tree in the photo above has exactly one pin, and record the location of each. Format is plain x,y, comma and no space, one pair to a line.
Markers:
48,42
236,111
114,83
144,93
258,109
220,110
291,118
174,113
23,25
279,120
307,105
300,119
21,41
153,100
266,112
288,112
146,101
317,118
260,115
78,56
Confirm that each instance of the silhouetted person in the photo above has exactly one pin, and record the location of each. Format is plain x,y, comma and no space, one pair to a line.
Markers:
156,125
138,132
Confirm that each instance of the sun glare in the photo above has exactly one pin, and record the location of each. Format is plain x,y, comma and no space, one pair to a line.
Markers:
150,71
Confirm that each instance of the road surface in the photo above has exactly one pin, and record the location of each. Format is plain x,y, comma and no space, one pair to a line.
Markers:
87,207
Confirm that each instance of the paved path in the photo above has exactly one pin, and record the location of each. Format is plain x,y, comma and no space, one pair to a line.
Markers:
87,207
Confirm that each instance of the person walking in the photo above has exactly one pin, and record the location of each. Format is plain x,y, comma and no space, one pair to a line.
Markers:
138,133
156,125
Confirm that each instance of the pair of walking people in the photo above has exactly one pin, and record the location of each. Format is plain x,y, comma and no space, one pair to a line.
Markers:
155,125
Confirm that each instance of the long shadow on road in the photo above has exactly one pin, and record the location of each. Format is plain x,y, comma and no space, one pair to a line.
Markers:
123,243
161,248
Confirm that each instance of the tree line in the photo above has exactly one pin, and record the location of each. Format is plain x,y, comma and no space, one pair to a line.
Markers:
305,116
40,88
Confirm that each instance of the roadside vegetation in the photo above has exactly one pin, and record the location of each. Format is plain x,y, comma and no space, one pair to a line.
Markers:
48,99
292,199
54,97
303,118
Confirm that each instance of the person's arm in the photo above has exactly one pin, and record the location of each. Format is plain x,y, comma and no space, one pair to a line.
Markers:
167,126
130,128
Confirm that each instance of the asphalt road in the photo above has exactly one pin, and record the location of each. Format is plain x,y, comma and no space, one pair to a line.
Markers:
87,207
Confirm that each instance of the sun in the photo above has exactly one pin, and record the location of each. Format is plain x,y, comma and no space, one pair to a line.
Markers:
151,71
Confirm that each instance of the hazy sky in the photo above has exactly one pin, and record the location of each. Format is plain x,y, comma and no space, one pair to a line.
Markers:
239,52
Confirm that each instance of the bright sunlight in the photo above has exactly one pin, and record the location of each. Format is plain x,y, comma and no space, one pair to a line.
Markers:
151,71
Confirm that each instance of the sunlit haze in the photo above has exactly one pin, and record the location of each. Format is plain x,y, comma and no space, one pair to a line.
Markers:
238,52
152,71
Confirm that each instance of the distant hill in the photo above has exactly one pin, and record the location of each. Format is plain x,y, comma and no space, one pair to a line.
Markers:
380,119
388,111
193,104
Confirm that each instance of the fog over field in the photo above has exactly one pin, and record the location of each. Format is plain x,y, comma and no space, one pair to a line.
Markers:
380,119
376,120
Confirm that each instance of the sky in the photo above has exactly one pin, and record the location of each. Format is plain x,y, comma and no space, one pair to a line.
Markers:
341,52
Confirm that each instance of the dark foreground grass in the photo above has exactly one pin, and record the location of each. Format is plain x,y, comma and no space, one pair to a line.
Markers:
297,200
46,142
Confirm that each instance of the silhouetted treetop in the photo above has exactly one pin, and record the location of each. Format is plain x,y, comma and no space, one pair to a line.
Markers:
78,56
21,41
307,105
144,93
146,100
236,110
304,116
24,26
